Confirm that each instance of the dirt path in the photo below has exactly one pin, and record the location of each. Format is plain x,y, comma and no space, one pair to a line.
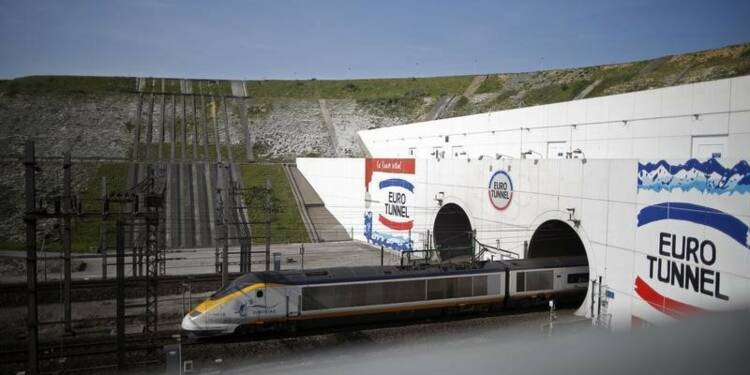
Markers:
474,85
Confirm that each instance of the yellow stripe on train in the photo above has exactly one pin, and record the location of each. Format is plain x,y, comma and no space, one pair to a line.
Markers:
209,304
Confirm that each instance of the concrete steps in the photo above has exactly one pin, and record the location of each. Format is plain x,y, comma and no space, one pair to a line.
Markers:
190,209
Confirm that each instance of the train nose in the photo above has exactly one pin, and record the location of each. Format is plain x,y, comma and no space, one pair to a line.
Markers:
188,324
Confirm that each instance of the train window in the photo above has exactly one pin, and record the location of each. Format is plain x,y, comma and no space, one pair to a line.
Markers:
480,285
539,280
317,298
330,297
451,287
391,293
230,288
521,282
464,286
405,291
414,290
577,278
436,288
358,295
374,293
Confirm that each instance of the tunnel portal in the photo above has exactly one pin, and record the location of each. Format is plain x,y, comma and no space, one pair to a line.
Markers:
453,233
555,238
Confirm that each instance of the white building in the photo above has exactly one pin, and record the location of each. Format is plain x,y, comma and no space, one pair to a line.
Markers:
653,187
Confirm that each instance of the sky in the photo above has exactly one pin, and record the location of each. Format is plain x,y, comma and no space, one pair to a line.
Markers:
283,39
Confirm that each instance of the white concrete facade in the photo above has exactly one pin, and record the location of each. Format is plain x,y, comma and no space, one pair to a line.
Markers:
653,124
661,184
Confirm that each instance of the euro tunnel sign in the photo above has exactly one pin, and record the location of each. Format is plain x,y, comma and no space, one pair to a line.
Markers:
500,190
389,197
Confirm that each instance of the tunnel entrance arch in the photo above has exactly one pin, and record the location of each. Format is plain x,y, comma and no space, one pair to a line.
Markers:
555,238
452,233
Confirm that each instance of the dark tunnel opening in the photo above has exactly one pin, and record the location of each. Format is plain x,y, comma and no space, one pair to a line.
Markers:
452,233
555,238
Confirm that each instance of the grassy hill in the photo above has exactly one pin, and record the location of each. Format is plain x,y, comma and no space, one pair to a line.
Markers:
541,87
411,99
96,117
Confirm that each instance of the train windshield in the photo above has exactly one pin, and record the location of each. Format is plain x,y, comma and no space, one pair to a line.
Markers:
236,285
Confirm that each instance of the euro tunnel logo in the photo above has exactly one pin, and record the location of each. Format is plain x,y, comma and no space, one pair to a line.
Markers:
500,190
397,193
388,220
691,262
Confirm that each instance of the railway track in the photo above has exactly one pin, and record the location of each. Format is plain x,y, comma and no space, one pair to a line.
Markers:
98,289
110,283
88,354
98,354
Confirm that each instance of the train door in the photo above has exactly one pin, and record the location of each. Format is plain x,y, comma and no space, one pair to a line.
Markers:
261,301
292,303
495,284
274,302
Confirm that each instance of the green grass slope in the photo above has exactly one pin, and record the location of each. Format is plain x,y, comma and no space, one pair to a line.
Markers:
399,96
286,223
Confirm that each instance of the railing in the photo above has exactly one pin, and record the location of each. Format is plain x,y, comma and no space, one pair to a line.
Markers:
493,250
440,255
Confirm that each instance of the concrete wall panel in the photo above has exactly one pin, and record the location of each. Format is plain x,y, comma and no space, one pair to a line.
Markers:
647,104
740,96
738,146
711,96
620,107
710,124
677,100
675,147
739,122
645,128
620,228
620,149
645,148
596,110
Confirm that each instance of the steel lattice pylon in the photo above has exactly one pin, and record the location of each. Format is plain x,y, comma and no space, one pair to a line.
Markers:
151,254
153,197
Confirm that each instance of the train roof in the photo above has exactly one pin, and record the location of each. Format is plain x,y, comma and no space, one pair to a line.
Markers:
367,273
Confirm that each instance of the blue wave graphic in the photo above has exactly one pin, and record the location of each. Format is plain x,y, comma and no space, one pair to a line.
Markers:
386,240
397,182
711,217
709,177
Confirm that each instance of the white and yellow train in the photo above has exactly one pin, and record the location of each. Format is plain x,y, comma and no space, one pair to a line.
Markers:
338,296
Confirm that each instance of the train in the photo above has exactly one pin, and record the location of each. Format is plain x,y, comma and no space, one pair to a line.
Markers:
294,299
